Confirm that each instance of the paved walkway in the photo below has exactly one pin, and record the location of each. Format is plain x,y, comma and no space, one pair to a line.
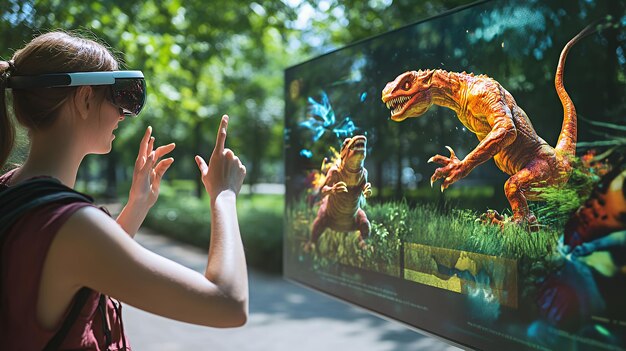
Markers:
283,316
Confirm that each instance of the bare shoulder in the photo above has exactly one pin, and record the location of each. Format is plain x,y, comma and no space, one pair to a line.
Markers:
92,250
90,236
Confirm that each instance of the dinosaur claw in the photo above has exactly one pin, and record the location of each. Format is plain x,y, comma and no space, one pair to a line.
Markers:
431,183
443,188
430,160
452,154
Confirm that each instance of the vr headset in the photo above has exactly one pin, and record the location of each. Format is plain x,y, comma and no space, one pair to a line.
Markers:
127,92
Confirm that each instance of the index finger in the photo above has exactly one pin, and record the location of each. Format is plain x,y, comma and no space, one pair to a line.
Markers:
221,135
143,145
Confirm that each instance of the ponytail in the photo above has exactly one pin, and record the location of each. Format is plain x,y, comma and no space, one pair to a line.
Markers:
7,129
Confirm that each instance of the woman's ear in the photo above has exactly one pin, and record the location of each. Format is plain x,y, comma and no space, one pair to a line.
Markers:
82,99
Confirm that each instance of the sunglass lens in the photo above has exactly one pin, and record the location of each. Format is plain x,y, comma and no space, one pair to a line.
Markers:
129,94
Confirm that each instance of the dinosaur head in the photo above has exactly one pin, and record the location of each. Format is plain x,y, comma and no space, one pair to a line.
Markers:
409,95
353,152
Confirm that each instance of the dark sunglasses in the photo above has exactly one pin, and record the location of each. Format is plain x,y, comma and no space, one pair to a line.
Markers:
127,93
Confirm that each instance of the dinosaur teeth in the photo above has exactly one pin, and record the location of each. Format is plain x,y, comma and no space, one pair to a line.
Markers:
398,103
360,145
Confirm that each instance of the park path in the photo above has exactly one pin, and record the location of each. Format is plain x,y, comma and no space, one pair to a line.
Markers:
283,316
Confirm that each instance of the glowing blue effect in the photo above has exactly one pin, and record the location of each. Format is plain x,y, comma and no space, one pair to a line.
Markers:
315,126
306,153
363,96
345,129
540,332
322,111
321,118
482,301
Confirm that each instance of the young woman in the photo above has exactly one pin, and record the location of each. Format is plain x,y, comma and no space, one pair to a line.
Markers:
68,93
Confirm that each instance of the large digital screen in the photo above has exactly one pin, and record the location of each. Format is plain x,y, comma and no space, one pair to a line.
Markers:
465,175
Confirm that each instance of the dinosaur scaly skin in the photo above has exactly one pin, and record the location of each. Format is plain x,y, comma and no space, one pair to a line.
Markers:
504,131
346,184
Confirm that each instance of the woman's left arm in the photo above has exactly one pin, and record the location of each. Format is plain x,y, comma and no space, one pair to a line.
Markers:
144,190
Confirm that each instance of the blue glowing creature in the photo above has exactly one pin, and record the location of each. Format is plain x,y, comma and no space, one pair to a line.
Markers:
321,119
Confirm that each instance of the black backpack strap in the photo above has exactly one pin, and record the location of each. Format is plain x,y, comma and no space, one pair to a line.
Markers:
106,328
17,200
27,195
79,303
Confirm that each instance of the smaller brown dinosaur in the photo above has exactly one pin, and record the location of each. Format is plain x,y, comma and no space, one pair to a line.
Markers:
503,129
345,187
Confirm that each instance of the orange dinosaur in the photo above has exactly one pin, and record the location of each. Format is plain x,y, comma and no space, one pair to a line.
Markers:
343,191
504,131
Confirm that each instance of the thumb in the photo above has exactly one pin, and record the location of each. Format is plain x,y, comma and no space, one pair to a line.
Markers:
204,169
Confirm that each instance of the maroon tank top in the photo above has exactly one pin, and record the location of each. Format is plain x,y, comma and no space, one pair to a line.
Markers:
23,256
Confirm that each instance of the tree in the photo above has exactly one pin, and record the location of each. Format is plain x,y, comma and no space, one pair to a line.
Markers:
200,59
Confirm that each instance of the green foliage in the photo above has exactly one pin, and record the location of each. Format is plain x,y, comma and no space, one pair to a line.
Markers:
380,254
558,203
183,218
201,60
395,223
299,217
462,230
187,219
395,214
261,226
340,22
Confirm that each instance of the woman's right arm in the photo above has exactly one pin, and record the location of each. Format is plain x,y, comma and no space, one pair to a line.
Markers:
92,250
222,179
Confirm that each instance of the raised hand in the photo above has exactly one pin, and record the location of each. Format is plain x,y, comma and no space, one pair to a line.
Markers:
149,170
367,190
225,172
340,187
144,189
453,169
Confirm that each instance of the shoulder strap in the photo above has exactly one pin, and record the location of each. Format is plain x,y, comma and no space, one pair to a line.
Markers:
79,303
17,200
27,195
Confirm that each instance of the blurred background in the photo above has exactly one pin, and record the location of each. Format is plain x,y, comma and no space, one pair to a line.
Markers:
201,60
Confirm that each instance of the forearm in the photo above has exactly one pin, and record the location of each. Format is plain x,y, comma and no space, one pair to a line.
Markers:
499,138
227,262
131,217
326,190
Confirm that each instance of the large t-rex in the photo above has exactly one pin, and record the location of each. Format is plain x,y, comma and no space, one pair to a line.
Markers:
504,131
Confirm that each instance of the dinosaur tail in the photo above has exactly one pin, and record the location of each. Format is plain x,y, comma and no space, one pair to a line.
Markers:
567,138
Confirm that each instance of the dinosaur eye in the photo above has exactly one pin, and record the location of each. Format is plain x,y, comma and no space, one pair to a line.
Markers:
406,85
